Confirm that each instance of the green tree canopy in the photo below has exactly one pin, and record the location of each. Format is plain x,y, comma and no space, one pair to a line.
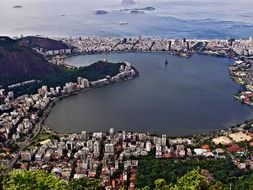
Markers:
196,180
245,183
3,175
34,180
84,184
192,180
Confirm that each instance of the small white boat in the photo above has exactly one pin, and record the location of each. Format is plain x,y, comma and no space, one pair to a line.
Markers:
123,22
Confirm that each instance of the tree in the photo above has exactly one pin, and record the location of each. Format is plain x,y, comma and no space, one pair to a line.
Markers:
144,188
222,170
3,175
34,180
159,183
218,186
196,179
122,188
245,183
192,180
84,184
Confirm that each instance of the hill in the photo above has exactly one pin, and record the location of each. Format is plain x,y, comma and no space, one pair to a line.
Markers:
17,61
40,42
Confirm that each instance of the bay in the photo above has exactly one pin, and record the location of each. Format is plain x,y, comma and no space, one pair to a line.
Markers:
208,19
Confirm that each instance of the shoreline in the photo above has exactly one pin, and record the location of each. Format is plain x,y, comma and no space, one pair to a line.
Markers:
220,131
58,99
103,138
211,133
122,76
196,49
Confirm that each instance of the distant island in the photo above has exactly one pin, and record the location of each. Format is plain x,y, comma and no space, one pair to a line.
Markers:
100,12
137,12
140,9
17,6
127,2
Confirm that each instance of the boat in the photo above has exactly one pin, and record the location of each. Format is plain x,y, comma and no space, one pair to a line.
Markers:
166,62
123,22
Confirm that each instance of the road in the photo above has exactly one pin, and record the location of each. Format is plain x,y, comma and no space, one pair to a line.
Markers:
27,142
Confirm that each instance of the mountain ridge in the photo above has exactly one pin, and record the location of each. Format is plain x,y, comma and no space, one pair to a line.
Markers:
21,61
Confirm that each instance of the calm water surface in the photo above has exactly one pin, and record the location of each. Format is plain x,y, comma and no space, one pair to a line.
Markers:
204,19
188,96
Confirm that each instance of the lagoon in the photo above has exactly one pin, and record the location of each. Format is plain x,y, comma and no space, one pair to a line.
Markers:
187,96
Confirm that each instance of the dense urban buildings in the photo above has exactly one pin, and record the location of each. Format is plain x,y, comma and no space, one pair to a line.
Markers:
186,120
113,156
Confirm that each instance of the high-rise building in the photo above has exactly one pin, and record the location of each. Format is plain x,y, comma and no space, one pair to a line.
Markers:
164,140
158,151
83,136
123,135
41,92
83,82
109,148
69,145
111,131
11,94
79,80
142,136
69,87
116,164
96,147
58,89
148,146
44,88
90,145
